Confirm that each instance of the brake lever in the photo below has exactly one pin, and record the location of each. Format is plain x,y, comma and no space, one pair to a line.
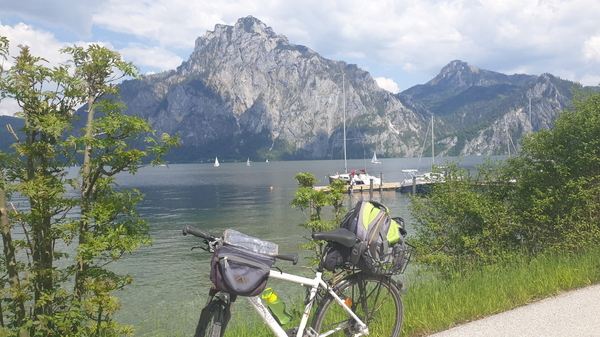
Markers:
206,249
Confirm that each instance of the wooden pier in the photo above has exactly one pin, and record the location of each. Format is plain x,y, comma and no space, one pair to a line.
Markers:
364,188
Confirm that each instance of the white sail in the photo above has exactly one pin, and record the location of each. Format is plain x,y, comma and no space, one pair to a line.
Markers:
375,160
248,162
216,161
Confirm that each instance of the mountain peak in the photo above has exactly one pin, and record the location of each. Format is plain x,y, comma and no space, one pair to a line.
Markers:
459,74
246,28
252,25
460,66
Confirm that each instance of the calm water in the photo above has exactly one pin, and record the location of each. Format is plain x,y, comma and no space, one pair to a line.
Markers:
170,280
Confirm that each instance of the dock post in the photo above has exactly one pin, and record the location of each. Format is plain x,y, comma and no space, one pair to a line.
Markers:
380,181
414,191
371,189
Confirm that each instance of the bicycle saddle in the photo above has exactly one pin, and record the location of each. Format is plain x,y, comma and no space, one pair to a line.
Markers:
340,235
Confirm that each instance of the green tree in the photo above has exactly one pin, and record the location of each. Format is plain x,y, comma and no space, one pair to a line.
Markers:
37,173
104,141
9,261
557,192
98,226
462,222
336,199
545,199
311,202
3,50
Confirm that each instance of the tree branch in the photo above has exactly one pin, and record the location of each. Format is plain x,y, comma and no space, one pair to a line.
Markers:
10,129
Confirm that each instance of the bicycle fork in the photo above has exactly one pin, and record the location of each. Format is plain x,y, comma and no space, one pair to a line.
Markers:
218,306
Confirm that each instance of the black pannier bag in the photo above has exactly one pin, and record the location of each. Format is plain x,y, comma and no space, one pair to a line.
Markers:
239,271
380,248
336,256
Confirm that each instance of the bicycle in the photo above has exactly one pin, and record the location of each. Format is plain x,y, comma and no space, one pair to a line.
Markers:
352,303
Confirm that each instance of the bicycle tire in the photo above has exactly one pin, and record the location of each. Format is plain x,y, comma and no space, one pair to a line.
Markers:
379,306
213,320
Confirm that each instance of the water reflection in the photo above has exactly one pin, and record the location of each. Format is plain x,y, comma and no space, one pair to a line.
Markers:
170,279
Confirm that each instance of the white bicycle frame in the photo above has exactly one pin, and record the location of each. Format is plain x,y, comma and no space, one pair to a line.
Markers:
314,284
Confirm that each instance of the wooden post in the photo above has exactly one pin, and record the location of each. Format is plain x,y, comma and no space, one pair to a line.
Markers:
371,189
380,182
414,185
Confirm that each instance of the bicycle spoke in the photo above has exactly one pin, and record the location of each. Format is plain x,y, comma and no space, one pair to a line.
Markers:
375,301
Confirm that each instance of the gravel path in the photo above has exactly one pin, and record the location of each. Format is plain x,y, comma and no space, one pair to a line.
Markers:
575,313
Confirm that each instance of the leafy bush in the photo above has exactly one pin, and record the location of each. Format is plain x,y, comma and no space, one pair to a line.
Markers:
545,199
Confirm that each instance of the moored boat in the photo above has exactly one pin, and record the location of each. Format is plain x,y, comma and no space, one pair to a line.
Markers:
356,177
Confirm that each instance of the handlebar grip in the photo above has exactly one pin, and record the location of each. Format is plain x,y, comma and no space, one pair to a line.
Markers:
187,229
289,257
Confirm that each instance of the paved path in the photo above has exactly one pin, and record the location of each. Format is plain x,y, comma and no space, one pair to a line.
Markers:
575,313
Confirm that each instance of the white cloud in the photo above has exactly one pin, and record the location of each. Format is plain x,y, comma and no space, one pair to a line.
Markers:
155,57
401,37
591,49
388,84
591,80
171,23
41,43
8,107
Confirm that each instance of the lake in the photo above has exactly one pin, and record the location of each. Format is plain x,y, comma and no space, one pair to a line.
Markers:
171,281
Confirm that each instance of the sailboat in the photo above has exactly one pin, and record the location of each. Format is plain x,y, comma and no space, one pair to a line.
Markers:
421,180
354,177
248,162
374,160
216,162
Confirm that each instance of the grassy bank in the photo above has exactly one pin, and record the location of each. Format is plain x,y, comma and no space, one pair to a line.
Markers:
434,305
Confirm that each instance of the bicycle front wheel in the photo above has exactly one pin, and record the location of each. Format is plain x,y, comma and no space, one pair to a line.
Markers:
375,300
213,320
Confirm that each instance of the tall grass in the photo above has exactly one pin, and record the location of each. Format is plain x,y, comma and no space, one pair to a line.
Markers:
435,304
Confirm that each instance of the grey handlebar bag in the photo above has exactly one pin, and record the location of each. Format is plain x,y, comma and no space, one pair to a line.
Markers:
239,271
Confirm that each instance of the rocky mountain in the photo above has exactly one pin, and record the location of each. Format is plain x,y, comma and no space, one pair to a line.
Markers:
247,92
481,112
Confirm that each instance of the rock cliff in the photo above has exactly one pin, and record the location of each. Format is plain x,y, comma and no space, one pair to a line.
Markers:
247,92
481,112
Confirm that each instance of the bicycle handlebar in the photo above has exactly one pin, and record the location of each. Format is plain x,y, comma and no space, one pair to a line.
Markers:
288,257
187,229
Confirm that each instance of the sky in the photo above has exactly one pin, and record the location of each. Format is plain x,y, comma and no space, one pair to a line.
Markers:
402,43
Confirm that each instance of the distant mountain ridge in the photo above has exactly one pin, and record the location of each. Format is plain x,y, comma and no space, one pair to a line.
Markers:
246,91
481,112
